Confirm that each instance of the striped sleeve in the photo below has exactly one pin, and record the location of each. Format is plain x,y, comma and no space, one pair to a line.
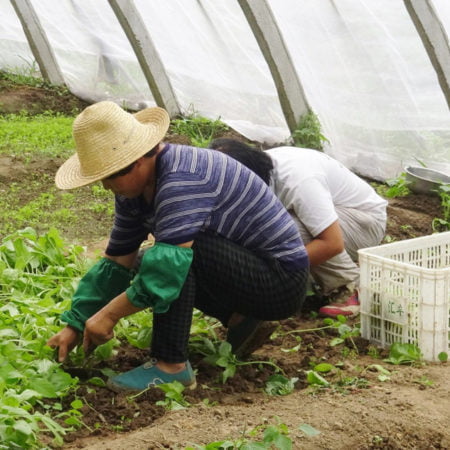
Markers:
129,229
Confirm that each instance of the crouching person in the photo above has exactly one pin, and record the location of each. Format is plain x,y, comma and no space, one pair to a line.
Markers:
223,244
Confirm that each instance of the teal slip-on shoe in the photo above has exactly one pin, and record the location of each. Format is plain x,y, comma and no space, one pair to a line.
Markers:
149,375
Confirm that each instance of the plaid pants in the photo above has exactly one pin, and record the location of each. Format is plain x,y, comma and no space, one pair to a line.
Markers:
225,278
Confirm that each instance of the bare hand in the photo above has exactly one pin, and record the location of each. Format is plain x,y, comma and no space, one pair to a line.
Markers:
64,341
98,330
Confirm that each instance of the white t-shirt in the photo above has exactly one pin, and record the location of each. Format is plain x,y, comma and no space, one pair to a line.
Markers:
312,185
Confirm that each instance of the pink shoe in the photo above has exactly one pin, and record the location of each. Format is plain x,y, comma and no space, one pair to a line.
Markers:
348,308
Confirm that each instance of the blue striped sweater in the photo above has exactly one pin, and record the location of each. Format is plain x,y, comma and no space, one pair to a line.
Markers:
202,190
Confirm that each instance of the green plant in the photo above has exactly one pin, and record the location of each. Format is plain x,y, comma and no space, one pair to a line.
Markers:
280,385
200,130
443,224
274,437
403,353
308,133
384,374
373,352
345,331
424,382
37,277
221,355
30,137
174,399
398,187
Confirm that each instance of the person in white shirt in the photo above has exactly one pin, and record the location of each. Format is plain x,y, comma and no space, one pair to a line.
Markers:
336,212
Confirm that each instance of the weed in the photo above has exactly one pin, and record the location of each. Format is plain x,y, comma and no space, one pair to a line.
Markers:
221,355
373,352
406,228
384,374
174,399
377,440
424,381
398,187
200,130
345,331
280,385
443,224
31,137
273,436
308,132
403,353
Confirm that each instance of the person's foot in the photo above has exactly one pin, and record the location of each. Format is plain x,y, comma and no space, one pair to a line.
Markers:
348,308
246,334
149,375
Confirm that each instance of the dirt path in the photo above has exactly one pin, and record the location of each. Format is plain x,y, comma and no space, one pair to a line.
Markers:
401,414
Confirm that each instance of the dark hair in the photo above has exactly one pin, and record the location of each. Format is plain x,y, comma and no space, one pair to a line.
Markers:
256,160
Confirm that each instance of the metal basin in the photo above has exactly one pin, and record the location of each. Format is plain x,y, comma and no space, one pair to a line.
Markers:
425,181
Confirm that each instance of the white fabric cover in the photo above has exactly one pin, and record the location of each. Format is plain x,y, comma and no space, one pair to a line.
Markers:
363,67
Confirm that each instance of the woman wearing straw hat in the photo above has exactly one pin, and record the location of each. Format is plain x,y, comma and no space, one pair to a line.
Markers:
223,244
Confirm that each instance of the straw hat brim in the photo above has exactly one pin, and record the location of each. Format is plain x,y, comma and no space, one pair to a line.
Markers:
70,175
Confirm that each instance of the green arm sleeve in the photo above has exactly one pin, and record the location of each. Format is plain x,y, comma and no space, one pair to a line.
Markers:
105,280
161,276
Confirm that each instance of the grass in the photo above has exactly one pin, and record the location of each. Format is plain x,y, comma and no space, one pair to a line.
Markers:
36,144
200,130
83,216
30,137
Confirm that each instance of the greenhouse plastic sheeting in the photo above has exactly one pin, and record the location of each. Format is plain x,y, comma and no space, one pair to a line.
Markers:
362,64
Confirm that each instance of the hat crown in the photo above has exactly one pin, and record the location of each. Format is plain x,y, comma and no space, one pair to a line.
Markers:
102,133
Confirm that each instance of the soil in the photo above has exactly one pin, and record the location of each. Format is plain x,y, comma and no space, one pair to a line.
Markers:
409,410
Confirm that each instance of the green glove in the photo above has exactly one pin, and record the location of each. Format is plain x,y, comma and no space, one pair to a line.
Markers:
105,280
161,277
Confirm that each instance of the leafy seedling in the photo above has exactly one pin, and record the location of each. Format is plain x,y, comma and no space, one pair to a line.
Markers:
274,437
174,398
403,353
398,187
280,385
345,331
223,356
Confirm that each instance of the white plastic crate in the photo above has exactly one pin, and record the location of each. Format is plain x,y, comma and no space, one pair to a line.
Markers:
405,293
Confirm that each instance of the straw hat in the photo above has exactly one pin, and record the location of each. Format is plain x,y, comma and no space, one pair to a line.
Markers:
108,139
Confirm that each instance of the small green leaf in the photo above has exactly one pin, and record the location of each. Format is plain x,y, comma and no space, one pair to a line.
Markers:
324,367
96,381
379,368
314,378
308,430
23,427
77,404
336,341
